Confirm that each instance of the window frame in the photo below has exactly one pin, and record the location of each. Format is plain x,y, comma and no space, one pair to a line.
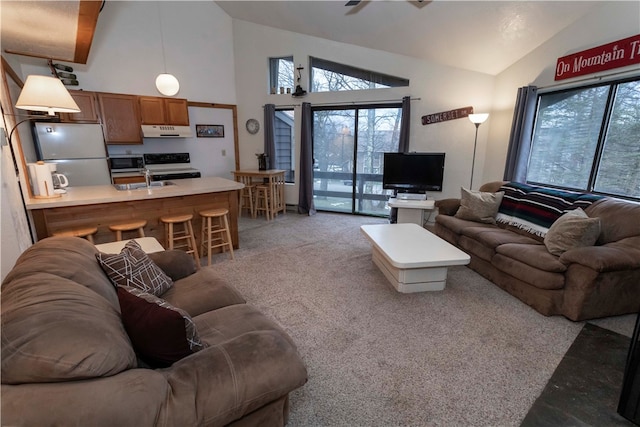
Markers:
274,84
373,77
602,136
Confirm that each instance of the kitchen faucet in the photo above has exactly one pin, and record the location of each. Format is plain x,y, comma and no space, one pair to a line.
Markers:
147,177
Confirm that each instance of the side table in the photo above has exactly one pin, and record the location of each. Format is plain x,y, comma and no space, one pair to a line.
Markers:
411,211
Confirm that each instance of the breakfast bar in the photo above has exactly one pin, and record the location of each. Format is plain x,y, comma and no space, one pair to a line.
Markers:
101,205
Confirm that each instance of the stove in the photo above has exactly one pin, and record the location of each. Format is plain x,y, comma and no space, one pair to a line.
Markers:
167,166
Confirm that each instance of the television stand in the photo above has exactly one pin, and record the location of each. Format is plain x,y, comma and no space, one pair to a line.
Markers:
411,211
411,196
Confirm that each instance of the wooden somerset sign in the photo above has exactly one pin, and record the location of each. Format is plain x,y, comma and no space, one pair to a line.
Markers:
606,57
447,115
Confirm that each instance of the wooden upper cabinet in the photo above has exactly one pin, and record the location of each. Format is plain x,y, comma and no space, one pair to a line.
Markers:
88,108
156,110
121,118
177,111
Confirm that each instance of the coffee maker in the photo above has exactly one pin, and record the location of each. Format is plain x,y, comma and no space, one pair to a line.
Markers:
45,181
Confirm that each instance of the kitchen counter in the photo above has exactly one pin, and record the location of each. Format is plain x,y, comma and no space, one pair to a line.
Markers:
102,205
90,195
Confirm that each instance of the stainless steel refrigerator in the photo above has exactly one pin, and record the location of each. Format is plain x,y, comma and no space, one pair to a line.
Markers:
78,150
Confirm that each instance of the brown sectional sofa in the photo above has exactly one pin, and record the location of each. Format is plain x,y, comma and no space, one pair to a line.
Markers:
67,359
582,283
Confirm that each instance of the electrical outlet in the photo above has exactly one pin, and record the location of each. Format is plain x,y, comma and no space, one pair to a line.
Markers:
224,153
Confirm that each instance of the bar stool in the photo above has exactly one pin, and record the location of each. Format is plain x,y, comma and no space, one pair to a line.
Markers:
263,200
247,195
209,229
185,235
86,232
128,226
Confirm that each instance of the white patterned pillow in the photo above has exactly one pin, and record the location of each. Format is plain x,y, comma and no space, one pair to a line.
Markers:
132,267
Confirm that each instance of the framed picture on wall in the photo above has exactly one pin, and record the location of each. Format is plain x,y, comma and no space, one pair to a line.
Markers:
210,131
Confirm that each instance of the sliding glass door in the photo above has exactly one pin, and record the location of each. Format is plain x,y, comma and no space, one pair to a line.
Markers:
348,147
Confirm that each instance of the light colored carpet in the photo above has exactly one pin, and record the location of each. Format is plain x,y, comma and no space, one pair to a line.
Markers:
471,355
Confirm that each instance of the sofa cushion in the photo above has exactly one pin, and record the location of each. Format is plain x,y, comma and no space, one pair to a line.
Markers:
483,241
534,255
202,292
133,267
161,333
54,329
574,229
619,219
456,225
494,237
255,363
528,274
174,263
479,206
68,257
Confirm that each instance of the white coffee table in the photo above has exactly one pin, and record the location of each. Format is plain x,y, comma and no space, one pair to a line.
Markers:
412,258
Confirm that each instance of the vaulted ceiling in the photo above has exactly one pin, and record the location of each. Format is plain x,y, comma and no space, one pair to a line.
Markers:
483,36
61,30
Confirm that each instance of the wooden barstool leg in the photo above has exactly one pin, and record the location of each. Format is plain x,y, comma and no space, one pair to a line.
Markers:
228,233
170,235
192,241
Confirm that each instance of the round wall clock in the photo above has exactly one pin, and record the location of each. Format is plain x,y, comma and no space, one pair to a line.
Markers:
253,126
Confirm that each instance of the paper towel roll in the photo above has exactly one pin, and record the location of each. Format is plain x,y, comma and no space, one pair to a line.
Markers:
41,180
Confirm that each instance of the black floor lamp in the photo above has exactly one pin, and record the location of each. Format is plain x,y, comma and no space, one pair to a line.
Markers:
476,119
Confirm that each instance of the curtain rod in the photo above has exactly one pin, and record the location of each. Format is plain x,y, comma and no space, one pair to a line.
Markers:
348,102
586,79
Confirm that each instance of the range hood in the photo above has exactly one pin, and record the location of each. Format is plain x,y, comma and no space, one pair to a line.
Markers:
166,131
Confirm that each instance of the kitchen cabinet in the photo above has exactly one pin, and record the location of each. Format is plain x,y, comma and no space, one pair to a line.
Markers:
155,110
87,103
121,118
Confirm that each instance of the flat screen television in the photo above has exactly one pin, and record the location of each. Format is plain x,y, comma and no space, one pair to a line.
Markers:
413,172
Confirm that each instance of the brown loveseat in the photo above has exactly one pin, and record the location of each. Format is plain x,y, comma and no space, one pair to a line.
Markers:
582,283
67,359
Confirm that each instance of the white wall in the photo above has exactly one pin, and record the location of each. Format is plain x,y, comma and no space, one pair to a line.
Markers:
439,88
126,54
608,23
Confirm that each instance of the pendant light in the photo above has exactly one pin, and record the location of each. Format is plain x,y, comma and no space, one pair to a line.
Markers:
167,84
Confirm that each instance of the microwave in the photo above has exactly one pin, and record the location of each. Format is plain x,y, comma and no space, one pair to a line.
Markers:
126,163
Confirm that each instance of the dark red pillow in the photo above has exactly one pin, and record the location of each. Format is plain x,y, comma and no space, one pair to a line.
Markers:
161,334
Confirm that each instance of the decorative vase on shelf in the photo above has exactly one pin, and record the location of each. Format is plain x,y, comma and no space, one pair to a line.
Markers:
262,161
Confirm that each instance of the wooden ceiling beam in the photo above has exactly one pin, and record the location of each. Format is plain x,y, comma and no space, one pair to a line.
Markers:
87,21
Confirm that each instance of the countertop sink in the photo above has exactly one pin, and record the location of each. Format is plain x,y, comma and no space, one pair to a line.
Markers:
142,185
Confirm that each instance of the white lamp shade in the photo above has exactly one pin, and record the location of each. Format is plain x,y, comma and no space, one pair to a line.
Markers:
44,93
167,84
478,118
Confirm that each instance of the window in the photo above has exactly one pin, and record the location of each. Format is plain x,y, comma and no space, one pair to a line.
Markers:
328,76
281,73
587,139
285,143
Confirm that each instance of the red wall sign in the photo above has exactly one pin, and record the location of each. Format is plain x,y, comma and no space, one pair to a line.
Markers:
447,115
606,57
